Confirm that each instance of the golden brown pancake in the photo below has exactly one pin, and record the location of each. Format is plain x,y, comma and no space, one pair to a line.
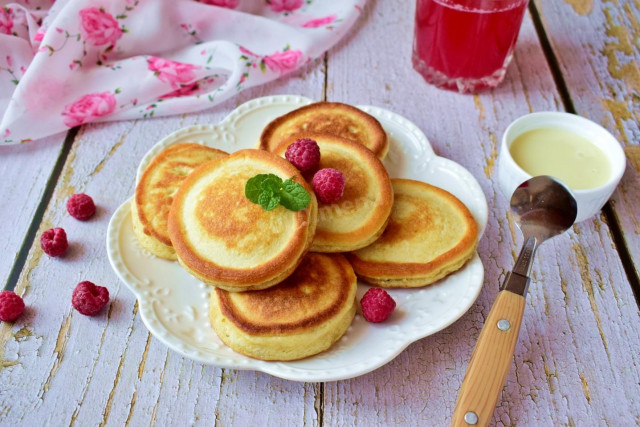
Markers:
430,235
330,118
155,191
361,215
302,316
224,239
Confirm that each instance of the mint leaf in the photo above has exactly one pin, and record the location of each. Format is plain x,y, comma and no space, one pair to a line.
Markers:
253,187
269,200
268,191
272,183
293,196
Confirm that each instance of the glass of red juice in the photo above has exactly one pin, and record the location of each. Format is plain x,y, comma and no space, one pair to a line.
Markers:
466,45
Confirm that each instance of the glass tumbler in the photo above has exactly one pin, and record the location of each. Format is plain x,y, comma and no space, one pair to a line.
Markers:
465,45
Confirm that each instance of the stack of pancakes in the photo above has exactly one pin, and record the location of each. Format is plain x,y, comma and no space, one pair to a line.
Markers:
282,288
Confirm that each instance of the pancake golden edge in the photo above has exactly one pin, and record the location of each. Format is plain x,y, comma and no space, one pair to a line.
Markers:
331,118
225,240
430,235
361,215
156,188
302,316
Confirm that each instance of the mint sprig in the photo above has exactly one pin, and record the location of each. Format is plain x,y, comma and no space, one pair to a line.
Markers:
269,191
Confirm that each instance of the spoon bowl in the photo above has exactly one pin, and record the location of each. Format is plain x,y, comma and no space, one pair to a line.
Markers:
543,207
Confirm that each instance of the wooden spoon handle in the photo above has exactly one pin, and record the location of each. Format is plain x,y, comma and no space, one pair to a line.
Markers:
490,362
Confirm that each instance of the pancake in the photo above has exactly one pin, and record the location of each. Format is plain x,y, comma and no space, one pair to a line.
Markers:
300,317
227,241
361,215
331,118
155,191
430,235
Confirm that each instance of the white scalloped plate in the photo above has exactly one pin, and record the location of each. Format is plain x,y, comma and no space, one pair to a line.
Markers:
174,305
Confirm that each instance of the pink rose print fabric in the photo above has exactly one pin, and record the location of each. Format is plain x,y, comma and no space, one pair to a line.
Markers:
65,63
6,21
89,107
231,4
172,72
99,27
284,62
285,5
320,22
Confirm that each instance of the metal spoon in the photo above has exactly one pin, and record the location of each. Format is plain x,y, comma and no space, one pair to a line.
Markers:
542,208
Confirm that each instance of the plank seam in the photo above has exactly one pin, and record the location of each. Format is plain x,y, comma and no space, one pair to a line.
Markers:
325,84
552,61
27,243
623,251
319,404
609,214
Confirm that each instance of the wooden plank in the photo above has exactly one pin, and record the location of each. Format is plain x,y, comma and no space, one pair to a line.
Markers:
581,329
61,367
633,154
25,169
597,45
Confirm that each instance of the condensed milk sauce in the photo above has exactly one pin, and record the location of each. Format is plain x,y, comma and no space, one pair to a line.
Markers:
571,158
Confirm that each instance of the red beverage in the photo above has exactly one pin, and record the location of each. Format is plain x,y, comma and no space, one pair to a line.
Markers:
465,45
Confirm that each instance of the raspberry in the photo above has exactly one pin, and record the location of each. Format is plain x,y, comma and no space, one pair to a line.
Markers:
11,306
80,206
377,305
54,242
303,154
88,298
328,184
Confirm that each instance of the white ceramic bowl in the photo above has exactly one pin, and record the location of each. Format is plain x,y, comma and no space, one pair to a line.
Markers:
590,201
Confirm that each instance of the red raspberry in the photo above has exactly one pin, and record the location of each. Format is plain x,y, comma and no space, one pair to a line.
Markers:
88,298
54,242
303,154
80,206
377,305
328,184
11,306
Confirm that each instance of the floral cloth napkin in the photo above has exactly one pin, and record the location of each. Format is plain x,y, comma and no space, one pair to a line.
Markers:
70,62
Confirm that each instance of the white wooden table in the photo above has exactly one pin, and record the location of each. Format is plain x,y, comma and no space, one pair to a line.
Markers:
577,361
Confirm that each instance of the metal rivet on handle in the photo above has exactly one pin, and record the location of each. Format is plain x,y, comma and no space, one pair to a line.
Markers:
471,418
504,325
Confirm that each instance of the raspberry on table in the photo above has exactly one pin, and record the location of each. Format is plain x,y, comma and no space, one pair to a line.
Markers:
304,154
328,184
377,305
88,298
11,306
80,206
54,242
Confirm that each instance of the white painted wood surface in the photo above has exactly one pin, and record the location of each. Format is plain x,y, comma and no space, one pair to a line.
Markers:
600,61
576,363
26,170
